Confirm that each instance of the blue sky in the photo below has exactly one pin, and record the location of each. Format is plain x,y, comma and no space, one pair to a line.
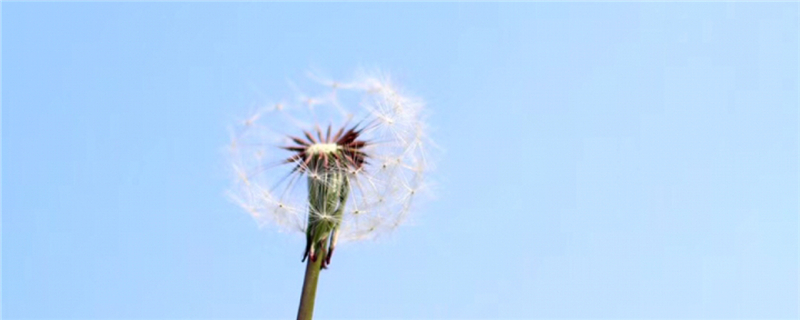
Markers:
601,160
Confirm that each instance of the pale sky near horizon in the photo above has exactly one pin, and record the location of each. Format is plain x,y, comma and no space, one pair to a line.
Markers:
600,160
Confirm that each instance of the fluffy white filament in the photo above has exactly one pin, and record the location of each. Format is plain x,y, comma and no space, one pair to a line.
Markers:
381,192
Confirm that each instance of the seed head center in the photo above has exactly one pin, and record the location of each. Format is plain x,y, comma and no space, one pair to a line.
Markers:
322,148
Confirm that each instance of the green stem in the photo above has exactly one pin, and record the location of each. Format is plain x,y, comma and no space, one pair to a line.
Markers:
306,310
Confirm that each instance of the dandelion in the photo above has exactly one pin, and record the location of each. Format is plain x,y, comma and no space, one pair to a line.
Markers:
342,165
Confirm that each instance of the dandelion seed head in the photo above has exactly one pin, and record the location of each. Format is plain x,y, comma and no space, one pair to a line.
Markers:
365,128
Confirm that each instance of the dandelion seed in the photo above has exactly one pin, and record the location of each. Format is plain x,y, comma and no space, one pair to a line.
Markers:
337,166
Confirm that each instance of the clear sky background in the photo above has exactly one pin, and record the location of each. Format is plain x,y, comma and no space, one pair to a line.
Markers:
601,160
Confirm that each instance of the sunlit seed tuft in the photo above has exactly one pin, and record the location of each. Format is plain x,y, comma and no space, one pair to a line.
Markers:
353,157
320,148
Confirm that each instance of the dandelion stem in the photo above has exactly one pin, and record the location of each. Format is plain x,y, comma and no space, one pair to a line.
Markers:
306,310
